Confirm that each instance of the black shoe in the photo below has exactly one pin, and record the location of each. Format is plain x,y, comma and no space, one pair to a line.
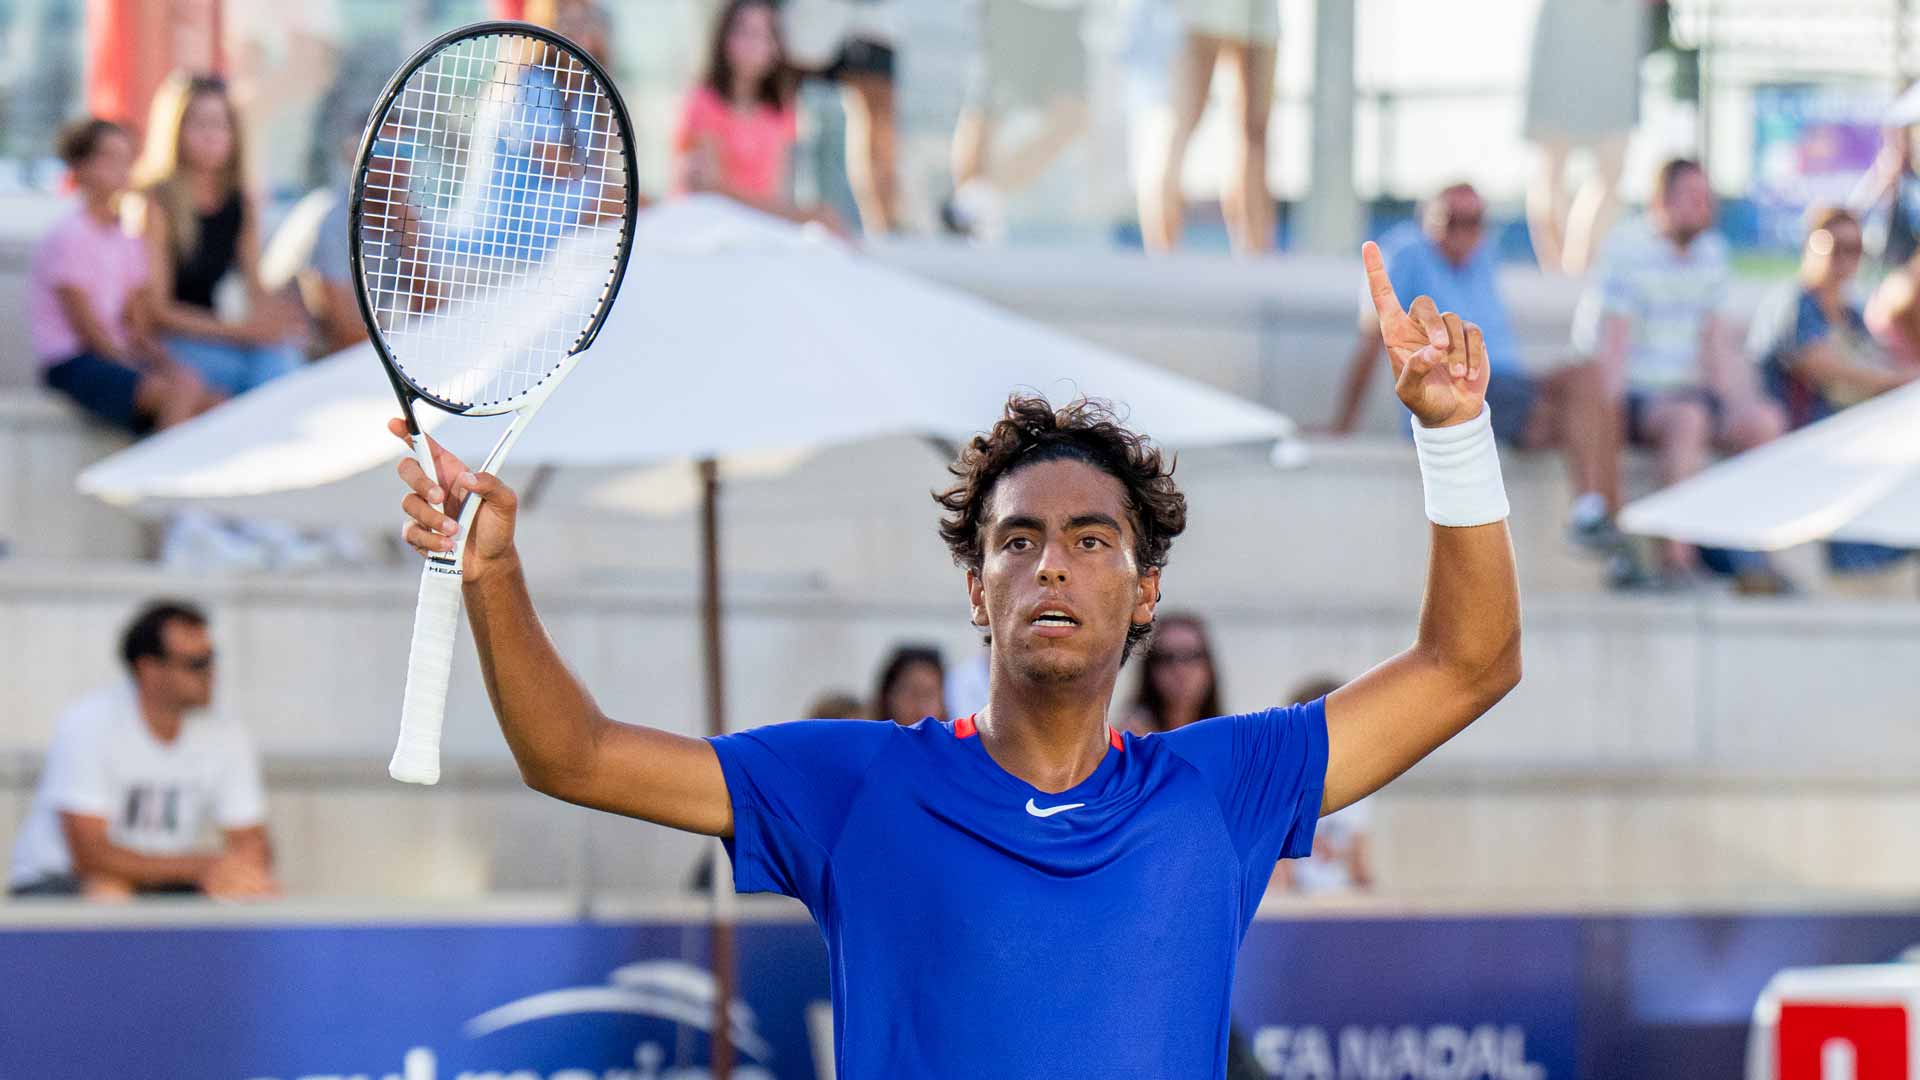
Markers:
1597,537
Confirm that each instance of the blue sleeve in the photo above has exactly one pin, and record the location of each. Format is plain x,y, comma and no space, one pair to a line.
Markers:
1268,770
791,786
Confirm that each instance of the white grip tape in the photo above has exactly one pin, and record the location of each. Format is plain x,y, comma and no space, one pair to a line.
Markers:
416,760
1460,472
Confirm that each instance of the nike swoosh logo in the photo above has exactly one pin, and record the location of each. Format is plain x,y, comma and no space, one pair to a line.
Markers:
1051,810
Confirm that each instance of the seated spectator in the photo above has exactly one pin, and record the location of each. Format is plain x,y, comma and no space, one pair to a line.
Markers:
1654,315
135,780
1445,257
1817,354
909,687
1178,681
1341,861
1893,314
201,226
738,126
89,308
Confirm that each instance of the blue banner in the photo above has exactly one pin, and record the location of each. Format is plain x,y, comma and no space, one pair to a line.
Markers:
1362,998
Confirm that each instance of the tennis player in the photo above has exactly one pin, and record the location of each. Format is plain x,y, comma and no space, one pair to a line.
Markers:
1024,892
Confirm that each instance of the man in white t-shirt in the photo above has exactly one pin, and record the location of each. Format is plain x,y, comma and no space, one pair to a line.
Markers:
1656,319
142,795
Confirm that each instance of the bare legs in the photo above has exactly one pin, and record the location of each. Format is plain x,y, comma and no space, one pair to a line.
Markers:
1683,434
1245,201
1162,200
1567,228
973,157
871,151
170,394
1586,423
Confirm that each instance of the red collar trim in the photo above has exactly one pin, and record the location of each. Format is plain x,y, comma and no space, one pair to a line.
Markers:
966,728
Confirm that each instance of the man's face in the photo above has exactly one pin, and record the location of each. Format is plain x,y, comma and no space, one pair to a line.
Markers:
1057,538
1457,223
183,677
1687,209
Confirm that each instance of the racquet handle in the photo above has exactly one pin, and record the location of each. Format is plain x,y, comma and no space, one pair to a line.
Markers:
416,760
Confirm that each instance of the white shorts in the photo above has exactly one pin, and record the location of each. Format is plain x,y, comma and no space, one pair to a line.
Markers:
1256,22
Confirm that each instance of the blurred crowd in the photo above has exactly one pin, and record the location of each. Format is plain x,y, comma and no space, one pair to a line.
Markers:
159,294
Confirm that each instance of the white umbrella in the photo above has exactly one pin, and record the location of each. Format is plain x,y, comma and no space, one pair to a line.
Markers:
1852,476
735,336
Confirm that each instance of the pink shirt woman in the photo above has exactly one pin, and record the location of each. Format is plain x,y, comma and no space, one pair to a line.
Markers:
742,151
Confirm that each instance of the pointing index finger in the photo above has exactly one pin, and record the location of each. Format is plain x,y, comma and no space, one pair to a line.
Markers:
1386,302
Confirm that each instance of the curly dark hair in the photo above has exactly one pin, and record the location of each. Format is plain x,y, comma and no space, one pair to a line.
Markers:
1032,431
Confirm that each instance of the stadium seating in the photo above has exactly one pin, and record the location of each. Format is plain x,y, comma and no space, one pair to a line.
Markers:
1645,729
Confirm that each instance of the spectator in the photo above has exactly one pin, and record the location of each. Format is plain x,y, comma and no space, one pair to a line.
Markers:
1179,683
201,225
1031,57
836,705
1889,193
1893,314
134,779
1245,35
1341,861
852,42
582,22
1655,317
1817,356
89,307
738,126
1583,93
909,687
1446,258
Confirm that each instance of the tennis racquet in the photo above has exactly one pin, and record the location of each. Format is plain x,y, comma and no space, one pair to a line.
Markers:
491,216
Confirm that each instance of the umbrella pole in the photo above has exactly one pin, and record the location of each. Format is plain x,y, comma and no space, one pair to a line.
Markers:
721,929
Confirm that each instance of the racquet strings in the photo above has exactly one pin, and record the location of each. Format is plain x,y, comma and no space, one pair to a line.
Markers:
492,212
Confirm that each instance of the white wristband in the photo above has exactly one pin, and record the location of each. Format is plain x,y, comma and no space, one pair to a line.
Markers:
1460,470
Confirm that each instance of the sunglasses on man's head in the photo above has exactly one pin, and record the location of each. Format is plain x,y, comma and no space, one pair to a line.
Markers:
197,664
1466,222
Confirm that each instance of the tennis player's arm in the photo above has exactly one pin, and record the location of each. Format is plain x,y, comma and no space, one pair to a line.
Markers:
565,746
95,856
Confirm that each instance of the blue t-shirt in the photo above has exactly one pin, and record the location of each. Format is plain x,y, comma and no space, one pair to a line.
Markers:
977,926
1788,322
1417,267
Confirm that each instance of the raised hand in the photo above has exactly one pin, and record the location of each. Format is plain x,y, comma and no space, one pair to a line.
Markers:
428,530
1439,361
